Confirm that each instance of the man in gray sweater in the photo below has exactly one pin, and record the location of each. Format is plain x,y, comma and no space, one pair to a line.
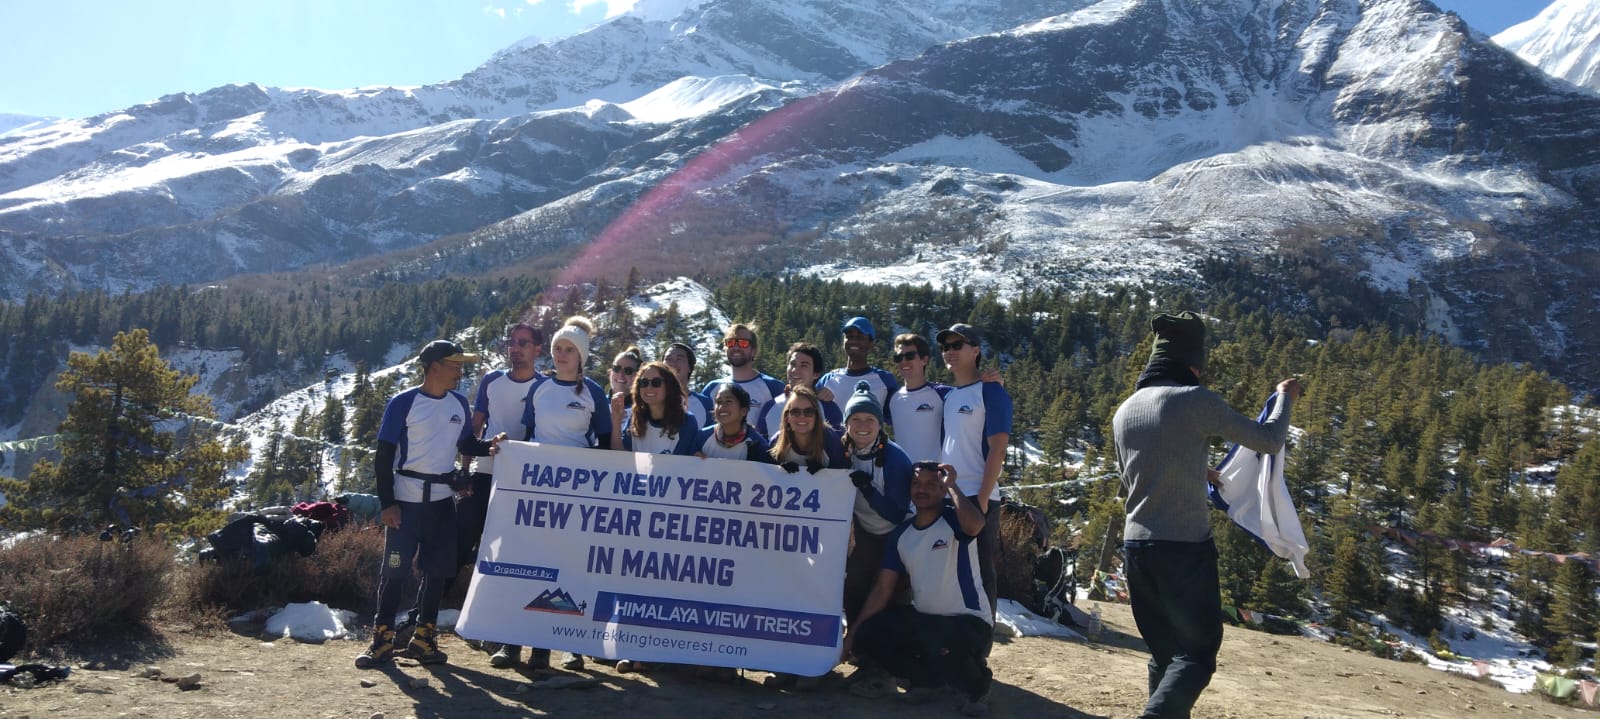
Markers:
1162,434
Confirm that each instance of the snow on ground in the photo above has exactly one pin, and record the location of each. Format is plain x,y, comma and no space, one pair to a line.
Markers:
1013,619
689,97
209,366
701,322
339,382
310,622
1510,661
317,622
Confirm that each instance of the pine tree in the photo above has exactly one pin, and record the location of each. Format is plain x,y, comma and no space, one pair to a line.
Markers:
115,458
333,420
1572,603
1277,590
1345,581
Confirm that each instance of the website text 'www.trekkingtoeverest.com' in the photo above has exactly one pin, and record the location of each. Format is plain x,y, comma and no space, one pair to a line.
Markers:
645,640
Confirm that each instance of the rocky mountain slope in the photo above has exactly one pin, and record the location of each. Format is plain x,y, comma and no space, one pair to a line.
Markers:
1382,138
245,178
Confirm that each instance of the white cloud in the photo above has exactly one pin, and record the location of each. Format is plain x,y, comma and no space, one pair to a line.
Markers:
613,7
502,12
647,9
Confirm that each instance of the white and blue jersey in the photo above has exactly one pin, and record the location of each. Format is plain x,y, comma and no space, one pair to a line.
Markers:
916,418
657,441
762,388
500,398
884,503
424,430
770,415
832,448
942,562
753,448
842,382
973,414
699,408
556,414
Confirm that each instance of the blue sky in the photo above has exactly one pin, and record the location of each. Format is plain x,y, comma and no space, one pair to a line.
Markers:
75,59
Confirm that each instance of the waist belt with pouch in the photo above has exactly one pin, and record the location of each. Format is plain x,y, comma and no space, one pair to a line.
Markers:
457,480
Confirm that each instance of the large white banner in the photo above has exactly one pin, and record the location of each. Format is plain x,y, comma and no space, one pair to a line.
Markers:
661,558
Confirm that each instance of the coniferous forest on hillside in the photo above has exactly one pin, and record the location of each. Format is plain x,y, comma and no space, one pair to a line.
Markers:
1397,430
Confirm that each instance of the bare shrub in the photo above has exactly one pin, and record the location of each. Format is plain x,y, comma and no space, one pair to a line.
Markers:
342,573
75,589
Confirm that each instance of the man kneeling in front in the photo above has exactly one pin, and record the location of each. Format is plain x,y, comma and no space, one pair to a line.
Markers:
942,639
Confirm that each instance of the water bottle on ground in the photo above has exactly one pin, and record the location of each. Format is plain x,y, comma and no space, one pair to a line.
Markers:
1095,624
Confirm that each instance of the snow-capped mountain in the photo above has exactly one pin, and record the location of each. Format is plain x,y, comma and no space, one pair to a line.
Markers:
1563,40
1122,140
10,121
245,178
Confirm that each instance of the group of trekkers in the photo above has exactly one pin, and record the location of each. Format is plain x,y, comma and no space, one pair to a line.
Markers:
924,457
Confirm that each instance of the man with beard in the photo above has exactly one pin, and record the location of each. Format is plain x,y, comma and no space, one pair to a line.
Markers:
740,344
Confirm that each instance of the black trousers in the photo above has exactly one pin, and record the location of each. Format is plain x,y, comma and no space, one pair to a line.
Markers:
930,650
471,512
1177,604
427,536
989,553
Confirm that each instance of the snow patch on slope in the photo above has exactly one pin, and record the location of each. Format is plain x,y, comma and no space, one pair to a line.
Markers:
1563,40
692,97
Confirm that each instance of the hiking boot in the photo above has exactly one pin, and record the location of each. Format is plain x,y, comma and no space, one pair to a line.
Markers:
507,655
976,707
404,627
572,662
381,650
424,646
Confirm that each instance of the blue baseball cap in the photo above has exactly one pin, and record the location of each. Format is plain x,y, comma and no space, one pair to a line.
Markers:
860,324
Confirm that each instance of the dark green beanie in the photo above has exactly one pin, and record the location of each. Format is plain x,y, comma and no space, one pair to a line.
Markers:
1180,338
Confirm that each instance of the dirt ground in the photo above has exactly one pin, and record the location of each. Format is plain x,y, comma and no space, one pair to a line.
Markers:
1260,675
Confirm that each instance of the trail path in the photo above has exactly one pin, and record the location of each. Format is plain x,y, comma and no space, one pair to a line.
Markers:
1260,675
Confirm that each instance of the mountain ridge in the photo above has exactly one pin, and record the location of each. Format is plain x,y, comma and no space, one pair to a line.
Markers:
1116,143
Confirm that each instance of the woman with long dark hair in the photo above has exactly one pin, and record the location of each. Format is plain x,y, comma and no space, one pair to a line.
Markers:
658,423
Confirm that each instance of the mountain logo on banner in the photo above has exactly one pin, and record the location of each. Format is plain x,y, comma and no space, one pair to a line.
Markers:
556,601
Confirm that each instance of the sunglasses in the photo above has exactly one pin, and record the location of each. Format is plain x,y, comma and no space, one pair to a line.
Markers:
955,346
802,412
522,343
624,369
906,356
651,382
925,466
740,342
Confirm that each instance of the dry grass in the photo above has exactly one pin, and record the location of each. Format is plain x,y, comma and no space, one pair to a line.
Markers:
343,573
79,589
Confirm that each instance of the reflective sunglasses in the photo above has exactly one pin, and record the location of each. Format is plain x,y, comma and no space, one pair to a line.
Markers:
651,382
802,412
955,346
740,342
624,369
906,356
925,467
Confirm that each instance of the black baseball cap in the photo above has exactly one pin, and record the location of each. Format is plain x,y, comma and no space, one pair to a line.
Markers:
966,332
438,350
